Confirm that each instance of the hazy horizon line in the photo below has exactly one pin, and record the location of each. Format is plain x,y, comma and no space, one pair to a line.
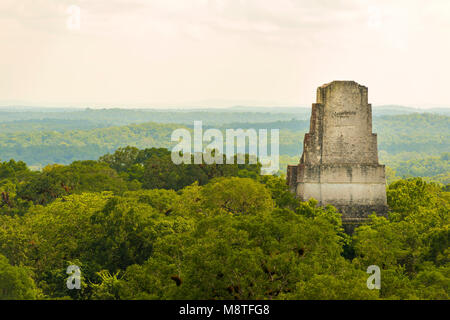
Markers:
198,106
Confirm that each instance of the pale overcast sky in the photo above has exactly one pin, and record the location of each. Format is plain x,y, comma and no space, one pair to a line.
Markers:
221,52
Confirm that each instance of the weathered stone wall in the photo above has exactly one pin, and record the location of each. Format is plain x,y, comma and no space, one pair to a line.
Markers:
339,165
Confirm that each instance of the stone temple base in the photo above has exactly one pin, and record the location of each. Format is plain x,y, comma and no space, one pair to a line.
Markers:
356,190
354,216
360,213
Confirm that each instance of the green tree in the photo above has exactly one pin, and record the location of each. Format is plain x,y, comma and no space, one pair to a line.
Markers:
16,283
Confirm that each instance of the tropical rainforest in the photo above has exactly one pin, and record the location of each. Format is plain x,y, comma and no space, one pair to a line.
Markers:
104,195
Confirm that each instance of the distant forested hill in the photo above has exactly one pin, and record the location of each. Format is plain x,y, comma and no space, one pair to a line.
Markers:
211,116
59,125
39,148
412,144
424,133
110,117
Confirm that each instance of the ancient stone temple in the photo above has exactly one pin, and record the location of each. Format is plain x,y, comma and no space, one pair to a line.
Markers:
339,165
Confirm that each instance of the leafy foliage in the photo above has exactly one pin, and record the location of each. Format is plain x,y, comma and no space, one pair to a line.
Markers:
16,283
140,227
